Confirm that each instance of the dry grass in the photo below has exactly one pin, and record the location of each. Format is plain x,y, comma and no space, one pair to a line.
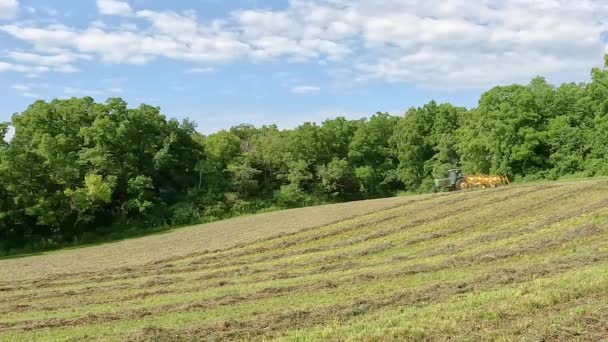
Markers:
205,237
515,263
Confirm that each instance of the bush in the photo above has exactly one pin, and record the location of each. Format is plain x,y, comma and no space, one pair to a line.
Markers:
427,185
215,211
534,177
241,207
292,196
186,214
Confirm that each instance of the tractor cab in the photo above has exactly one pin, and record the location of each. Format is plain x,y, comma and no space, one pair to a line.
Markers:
453,182
454,175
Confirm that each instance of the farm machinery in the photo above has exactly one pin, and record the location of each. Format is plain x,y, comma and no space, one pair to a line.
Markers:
457,180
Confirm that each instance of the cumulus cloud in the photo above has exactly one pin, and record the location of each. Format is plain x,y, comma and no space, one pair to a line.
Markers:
8,9
182,36
36,63
22,68
306,30
113,7
305,89
450,43
34,70
59,59
477,43
169,39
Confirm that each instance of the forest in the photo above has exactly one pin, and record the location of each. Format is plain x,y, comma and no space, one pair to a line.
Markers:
77,170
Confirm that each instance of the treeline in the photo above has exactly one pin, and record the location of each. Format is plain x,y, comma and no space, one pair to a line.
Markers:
76,169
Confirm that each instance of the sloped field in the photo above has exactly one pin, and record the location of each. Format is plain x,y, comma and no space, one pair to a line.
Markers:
513,263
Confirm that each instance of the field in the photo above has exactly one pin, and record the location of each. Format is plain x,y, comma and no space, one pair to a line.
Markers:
527,262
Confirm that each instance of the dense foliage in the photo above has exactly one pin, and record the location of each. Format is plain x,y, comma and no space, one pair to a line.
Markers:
76,168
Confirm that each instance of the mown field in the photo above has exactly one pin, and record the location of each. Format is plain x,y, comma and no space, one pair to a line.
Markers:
514,263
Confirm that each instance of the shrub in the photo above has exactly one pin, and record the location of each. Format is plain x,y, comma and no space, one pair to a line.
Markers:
186,214
291,196
215,211
241,207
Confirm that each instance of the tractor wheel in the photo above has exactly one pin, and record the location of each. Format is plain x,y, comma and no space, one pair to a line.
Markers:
461,184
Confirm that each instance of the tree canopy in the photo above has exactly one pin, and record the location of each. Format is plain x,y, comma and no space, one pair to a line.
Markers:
77,166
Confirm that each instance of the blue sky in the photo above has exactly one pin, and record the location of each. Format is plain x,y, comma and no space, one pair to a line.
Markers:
222,63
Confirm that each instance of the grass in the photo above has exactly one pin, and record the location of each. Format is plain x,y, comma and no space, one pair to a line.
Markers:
526,262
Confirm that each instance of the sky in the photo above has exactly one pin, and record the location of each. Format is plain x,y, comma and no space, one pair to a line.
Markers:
226,62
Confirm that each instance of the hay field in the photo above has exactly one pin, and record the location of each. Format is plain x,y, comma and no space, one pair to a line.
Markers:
514,263
185,241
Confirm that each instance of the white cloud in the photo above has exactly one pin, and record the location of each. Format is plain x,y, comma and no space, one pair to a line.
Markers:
448,43
35,63
20,87
47,39
170,39
57,60
305,89
31,95
22,68
26,90
305,31
113,7
8,9
478,43
171,23
202,70
182,36
77,91
29,90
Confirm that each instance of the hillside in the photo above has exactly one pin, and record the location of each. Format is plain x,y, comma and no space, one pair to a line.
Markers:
526,262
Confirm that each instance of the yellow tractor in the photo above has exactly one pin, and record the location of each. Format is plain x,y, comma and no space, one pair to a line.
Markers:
457,180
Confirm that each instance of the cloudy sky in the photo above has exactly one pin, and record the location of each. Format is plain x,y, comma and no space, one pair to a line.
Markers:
225,62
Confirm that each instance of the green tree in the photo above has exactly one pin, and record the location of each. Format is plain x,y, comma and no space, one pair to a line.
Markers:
570,130
370,147
298,173
268,153
86,201
425,143
243,176
506,133
337,177
334,138
71,166
304,144
596,99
